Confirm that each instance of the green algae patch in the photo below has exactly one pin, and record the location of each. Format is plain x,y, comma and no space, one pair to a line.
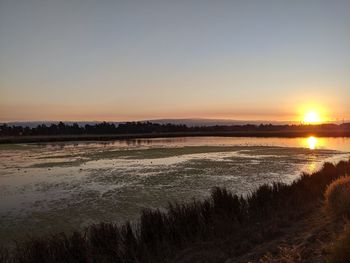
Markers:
155,153
57,164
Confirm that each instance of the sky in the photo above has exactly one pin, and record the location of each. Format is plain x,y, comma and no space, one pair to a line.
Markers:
132,60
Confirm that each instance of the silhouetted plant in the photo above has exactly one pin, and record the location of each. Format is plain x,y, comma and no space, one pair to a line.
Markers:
337,196
149,127
4,255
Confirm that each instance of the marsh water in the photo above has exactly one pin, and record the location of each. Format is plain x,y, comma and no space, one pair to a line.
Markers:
55,187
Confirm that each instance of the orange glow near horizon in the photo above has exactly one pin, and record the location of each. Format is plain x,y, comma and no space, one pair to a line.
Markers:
313,114
312,117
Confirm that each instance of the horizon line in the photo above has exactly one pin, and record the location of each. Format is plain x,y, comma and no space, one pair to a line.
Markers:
246,121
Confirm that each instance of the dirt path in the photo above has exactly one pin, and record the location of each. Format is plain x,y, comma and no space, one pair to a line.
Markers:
307,240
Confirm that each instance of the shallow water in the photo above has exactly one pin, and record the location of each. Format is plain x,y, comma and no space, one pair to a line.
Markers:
53,187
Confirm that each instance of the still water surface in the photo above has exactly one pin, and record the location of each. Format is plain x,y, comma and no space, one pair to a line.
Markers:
48,188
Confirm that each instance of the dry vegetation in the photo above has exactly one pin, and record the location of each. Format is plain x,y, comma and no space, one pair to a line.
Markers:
341,248
223,228
337,196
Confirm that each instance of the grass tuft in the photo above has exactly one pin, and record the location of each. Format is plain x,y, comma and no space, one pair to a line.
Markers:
337,196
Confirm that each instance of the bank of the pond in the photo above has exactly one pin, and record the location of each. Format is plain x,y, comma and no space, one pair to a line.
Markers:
111,137
273,222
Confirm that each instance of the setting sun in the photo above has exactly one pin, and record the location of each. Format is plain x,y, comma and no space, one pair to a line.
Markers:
312,117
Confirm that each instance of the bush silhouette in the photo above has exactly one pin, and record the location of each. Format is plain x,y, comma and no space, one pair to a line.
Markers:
337,196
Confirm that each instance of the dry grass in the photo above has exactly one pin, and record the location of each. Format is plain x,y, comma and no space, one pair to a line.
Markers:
337,196
4,256
340,251
285,255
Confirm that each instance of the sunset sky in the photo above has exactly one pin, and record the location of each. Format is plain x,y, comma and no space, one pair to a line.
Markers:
132,60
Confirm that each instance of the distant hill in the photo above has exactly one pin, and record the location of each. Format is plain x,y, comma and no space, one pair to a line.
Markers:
213,122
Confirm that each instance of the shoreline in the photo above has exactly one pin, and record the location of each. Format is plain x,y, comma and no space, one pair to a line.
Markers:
114,137
273,223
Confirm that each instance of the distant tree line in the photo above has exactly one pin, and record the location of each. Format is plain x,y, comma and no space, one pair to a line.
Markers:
99,128
149,127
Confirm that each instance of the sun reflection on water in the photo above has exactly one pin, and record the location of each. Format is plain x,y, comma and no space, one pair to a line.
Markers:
312,142
311,167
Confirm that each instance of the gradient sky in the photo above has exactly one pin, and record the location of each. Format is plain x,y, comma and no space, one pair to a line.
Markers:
127,60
